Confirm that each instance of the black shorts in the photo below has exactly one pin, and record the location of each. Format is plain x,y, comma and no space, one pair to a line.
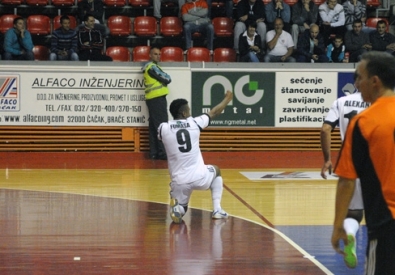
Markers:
380,253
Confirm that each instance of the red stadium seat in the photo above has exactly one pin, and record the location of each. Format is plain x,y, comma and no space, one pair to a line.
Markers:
198,54
7,22
170,26
119,53
319,2
37,2
373,3
171,54
223,26
38,24
145,26
291,2
56,22
140,3
115,3
63,3
217,4
141,53
224,55
372,22
40,52
120,25
12,2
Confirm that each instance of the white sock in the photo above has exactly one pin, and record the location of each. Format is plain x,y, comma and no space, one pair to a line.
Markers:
351,226
216,192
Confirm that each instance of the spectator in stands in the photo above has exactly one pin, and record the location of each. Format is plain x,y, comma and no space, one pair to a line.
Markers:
90,41
249,10
304,13
357,42
64,43
228,7
311,47
18,44
278,9
336,51
382,40
279,44
250,46
158,4
92,7
195,17
353,10
333,19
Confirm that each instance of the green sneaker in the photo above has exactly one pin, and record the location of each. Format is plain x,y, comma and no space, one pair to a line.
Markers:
350,257
175,213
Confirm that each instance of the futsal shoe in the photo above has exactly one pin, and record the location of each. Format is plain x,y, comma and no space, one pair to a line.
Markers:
221,214
175,213
350,257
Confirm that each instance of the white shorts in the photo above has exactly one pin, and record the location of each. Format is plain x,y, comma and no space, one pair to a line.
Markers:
182,192
356,201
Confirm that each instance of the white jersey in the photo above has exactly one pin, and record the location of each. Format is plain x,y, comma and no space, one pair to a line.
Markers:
343,109
181,141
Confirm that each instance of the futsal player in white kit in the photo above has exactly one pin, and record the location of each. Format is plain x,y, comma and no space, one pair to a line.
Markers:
185,162
342,111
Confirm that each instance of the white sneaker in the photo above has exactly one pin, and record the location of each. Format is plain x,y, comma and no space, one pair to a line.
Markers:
221,214
175,213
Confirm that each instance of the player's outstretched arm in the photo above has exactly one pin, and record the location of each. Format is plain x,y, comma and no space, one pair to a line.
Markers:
221,106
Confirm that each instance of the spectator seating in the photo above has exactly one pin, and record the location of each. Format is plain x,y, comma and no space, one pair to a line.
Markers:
56,22
291,2
223,26
37,2
7,22
373,3
319,2
120,25
140,3
198,54
141,53
171,54
38,24
40,52
115,3
119,53
12,2
170,26
63,3
372,22
224,55
145,26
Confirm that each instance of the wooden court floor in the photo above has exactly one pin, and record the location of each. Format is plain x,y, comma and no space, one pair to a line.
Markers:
107,213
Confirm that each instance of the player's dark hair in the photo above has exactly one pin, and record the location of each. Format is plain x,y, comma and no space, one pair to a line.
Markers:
177,107
381,64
